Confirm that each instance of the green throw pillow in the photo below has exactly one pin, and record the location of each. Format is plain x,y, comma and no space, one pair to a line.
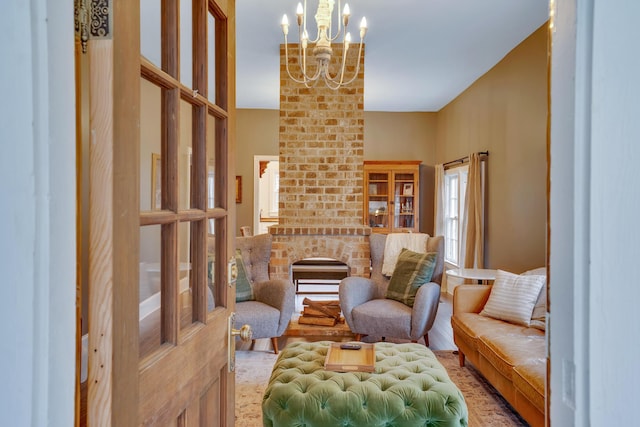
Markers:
244,291
412,270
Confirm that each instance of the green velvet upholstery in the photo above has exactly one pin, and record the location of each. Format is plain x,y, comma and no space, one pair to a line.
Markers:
408,388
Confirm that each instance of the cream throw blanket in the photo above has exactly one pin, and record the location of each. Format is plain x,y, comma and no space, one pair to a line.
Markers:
416,242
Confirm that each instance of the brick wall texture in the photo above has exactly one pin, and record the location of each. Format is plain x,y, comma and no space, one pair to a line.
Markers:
321,145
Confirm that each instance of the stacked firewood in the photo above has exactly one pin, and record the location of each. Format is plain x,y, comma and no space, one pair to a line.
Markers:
323,313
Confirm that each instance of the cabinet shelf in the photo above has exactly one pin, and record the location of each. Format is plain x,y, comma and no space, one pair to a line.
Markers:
385,188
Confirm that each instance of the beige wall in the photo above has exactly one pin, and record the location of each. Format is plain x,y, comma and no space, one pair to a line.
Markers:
257,135
505,112
400,136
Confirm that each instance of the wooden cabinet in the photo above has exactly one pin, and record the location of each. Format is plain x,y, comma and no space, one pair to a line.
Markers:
391,196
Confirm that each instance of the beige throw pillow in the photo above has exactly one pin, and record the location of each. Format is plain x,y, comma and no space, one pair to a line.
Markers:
513,297
538,317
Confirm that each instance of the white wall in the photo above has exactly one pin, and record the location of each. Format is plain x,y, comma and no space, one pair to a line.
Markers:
614,207
595,199
562,245
37,215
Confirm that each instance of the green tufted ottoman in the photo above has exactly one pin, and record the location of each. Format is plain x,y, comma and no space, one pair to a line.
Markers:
408,388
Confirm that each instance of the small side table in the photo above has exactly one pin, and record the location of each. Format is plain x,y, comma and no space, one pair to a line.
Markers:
482,275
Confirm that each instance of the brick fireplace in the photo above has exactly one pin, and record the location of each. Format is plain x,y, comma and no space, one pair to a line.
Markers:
321,156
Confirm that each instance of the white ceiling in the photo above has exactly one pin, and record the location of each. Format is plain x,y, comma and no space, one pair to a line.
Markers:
420,54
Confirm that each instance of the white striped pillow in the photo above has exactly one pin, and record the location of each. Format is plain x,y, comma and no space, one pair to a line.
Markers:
513,297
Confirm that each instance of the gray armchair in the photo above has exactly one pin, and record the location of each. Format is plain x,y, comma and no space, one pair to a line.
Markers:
270,313
368,312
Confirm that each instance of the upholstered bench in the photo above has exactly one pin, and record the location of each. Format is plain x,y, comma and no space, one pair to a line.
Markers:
408,388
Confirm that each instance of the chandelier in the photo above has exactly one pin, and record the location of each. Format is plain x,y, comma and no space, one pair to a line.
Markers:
322,50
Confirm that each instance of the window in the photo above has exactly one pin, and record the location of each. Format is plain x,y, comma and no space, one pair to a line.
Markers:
455,185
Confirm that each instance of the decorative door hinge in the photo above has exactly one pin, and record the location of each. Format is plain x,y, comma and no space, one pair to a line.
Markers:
81,18
92,19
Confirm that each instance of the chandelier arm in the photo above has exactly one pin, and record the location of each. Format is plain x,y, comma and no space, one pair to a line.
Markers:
331,84
338,31
357,65
286,60
304,20
302,59
317,74
340,74
337,34
304,17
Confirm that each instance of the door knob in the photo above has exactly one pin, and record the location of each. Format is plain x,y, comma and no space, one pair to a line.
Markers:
244,332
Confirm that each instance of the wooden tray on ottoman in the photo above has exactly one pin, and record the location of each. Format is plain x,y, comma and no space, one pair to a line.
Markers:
339,360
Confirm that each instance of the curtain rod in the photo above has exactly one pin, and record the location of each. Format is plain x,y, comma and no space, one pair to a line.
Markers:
465,158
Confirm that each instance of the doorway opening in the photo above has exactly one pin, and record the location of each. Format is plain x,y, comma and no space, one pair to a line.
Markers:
266,188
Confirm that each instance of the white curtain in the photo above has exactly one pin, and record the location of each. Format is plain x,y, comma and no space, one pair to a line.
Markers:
472,244
438,214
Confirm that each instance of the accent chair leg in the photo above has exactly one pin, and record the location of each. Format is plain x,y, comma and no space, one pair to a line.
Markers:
461,358
426,340
274,343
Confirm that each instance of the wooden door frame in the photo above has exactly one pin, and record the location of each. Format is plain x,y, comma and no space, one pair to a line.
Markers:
114,66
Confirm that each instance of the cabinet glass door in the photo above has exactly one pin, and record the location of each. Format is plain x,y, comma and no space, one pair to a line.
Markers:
403,200
378,199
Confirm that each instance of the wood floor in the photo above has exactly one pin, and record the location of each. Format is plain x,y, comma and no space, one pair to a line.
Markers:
440,336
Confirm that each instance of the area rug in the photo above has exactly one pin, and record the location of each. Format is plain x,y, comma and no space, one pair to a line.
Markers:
486,407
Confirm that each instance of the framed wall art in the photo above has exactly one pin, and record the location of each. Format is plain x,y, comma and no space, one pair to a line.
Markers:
238,189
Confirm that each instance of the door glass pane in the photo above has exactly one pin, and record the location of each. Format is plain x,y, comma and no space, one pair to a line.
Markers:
185,281
150,146
215,266
378,194
212,298
184,155
211,161
149,287
211,57
186,43
150,24
403,200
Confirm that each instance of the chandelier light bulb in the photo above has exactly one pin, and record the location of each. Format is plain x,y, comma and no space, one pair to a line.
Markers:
285,24
345,15
300,14
363,27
